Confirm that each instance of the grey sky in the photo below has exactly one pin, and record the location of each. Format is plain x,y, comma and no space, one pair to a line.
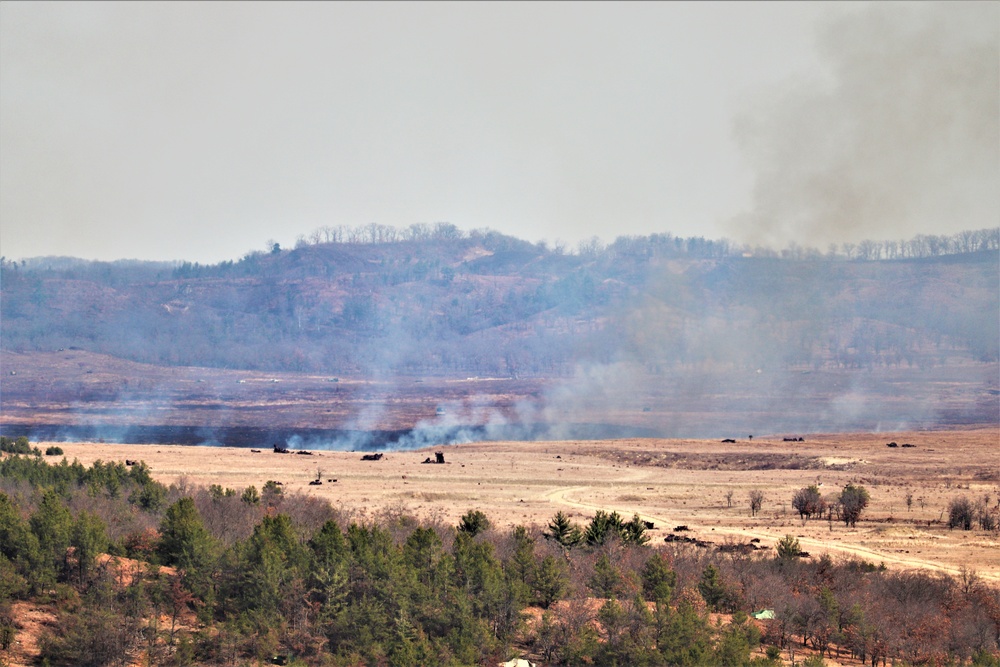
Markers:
199,131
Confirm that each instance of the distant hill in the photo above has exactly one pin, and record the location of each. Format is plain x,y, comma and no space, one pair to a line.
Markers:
441,331
489,304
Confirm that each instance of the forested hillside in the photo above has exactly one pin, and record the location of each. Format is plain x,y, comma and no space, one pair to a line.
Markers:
435,300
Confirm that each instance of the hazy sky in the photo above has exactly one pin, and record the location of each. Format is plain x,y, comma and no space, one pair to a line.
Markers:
200,130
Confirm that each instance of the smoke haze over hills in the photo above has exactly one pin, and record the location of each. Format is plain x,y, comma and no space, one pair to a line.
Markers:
904,138
190,132
184,131
446,335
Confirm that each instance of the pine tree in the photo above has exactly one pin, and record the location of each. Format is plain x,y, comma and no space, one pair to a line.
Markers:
521,567
51,523
683,637
607,580
658,579
788,548
602,527
473,522
563,531
634,531
184,541
737,641
89,537
550,581
711,587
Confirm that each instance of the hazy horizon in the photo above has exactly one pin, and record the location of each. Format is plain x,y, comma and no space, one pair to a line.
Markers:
162,131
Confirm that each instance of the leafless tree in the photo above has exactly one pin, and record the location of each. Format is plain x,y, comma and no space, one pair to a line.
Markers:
756,499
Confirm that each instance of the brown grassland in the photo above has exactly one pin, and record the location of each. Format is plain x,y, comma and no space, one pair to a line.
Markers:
668,482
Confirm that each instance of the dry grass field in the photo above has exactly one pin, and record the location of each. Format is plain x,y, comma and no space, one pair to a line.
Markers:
668,482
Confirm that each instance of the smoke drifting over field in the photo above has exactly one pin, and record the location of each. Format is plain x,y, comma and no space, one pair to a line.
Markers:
646,336
902,138
904,135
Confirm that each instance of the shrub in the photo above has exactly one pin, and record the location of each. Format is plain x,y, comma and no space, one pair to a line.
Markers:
788,548
53,451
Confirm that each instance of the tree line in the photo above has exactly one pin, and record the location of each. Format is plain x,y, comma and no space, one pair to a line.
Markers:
919,246
497,306
231,576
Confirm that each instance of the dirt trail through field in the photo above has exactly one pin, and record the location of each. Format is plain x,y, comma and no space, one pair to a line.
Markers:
704,485
562,496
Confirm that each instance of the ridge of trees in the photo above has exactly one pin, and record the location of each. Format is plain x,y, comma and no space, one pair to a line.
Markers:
487,304
921,246
273,575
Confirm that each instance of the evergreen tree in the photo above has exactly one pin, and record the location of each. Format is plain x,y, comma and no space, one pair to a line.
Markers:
634,531
563,531
184,541
480,575
603,527
19,552
683,637
607,580
473,522
613,622
711,587
250,495
521,567
149,496
551,581
89,538
328,544
273,560
330,577
658,579
51,523
736,641
788,548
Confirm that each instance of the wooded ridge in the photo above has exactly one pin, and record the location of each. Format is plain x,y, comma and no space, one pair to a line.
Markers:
375,300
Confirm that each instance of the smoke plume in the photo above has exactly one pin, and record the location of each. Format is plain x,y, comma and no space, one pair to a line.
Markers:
902,138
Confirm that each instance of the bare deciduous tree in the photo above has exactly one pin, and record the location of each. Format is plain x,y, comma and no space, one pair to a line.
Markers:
756,499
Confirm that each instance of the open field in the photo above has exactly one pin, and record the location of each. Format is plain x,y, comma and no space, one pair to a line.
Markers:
668,482
75,394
